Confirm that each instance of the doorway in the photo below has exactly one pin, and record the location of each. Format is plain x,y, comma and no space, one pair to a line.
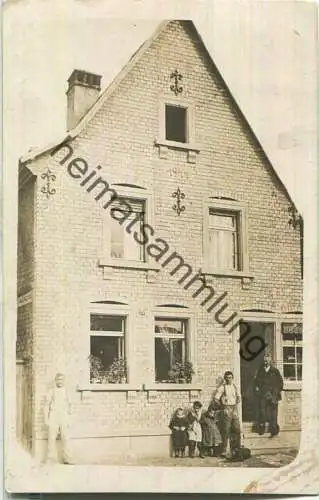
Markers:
254,335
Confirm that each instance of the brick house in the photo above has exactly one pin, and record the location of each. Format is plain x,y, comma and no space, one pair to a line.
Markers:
177,148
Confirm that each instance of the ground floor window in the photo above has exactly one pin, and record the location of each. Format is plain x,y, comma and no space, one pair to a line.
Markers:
171,350
292,350
107,349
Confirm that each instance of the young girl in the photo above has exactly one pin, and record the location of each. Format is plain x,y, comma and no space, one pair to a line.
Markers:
212,439
178,426
194,429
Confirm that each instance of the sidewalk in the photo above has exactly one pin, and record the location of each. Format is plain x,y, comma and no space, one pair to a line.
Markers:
265,459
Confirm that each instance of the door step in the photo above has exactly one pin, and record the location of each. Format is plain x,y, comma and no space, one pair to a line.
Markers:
286,439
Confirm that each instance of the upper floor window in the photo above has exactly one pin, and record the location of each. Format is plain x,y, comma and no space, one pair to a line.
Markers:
123,245
177,129
176,123
292,350
223,240
107,349
225,237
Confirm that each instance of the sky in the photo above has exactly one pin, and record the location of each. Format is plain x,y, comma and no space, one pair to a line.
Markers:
266,52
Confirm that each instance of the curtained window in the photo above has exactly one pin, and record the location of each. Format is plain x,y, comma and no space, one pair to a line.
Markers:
122,243
170,346
223,248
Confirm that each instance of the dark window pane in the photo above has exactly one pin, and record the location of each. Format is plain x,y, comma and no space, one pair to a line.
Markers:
299,372
289,372
299,354
289,354
175,122
176,351
292,337
168,352
105,350
101,322
287,336
162,359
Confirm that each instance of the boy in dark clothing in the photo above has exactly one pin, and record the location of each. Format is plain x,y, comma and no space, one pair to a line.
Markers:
211,437
178,426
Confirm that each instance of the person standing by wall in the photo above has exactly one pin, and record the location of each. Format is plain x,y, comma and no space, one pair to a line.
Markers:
228,397
56,415
268,386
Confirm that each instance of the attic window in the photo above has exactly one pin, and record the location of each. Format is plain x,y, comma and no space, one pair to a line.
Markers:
177,129
176,123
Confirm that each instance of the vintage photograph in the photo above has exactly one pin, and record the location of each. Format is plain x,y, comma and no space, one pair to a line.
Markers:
159,262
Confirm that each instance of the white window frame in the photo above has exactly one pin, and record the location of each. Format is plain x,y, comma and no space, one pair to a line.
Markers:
190,124
289,382
109,333
227,206
174,336
174,313
113,310
128,193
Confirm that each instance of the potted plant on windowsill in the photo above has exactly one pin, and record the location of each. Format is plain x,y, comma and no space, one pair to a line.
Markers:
117,373
96,370
181,373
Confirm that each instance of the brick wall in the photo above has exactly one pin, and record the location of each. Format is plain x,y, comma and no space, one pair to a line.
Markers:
24,332
25,237
120,138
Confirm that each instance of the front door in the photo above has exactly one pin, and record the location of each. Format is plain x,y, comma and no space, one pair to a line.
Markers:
253,336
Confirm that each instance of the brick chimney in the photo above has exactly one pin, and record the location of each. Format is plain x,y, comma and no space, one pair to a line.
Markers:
83,91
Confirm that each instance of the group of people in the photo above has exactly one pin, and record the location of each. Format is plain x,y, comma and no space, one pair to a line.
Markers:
211,431
207,432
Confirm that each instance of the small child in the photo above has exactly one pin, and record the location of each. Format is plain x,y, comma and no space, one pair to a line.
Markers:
194,429
178,426
212,439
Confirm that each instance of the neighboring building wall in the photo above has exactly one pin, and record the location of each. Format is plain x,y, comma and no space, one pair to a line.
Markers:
24,340
26,238
24,332
69,246
25,400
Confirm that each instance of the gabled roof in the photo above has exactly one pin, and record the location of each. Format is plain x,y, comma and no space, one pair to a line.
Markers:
190,26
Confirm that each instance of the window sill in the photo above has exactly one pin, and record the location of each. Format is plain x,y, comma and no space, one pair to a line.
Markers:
171,387
292,385
187,146
229,274
191,149
128,264
245,276
108,388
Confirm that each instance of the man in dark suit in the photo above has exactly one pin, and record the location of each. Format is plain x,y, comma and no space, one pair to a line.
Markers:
268,385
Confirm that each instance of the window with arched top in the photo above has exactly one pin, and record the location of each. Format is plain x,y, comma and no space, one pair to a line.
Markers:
127,227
